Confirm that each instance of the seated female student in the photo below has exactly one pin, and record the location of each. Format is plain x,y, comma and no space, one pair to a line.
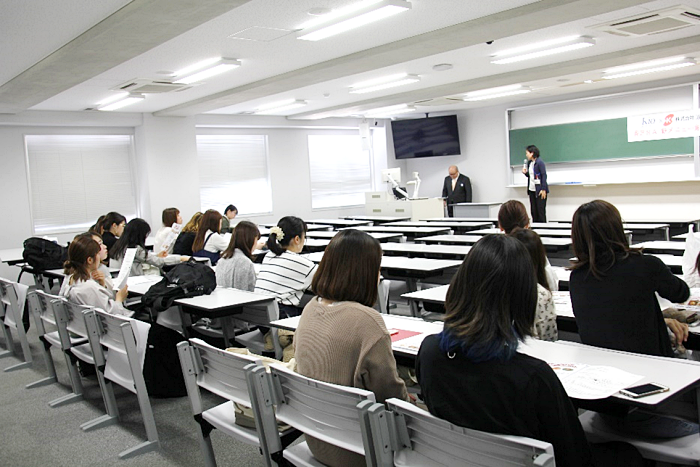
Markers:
613,287
170,216
546,314
102,274
79,286
472,375
691,260
183,244
135,234
284,273
208,242
112,228
340,339
235,268
98,226
513,214
613,293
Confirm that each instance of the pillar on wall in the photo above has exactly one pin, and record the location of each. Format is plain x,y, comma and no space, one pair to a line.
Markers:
167,170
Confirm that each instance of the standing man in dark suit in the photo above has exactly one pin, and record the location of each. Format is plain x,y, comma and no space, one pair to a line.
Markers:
457,189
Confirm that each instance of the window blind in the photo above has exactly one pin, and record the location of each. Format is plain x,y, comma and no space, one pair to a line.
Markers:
340,171
233,170
74,179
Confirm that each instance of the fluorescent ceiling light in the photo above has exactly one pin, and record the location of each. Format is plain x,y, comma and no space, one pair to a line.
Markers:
126,100
390,110
496,93
542,49
384,83
113,98
647,64
500,89
281,106
685,63
352,17
205,69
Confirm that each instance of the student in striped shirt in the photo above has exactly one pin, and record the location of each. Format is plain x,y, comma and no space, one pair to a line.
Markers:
284,273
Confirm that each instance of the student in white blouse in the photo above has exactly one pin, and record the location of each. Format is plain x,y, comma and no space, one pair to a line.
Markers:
209,243
170,216
79,286
135,234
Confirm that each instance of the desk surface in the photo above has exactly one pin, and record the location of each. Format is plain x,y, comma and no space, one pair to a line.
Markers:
408,264
685,236
471,239
677,374
368,217
309,227
421,249
661,245
340,222
409,231
139,285
491,220
11,255
381,236
223,298
446,223
567,225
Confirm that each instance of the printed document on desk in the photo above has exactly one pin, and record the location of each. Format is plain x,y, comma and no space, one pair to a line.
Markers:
592,382
409,344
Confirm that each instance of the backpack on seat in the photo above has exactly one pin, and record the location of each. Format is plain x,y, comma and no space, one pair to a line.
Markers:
188,279
42,254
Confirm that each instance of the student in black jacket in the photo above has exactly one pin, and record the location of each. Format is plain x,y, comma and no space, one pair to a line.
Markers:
472,375
613,287
613,292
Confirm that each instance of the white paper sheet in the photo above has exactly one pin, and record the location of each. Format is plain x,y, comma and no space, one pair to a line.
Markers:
172,236
125,270
410,344
592,382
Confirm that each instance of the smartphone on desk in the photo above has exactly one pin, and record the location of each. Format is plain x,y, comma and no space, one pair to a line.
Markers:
643,390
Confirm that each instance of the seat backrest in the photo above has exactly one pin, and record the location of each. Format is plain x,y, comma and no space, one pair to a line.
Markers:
75,317
125,338
42,311
219,371
10,302
419,438
326,411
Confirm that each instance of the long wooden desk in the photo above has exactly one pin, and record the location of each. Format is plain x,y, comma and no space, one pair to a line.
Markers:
421,250
550,243
642,229
679,375
12,256
490,220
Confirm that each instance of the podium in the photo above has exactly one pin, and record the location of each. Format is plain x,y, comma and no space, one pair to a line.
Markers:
380,204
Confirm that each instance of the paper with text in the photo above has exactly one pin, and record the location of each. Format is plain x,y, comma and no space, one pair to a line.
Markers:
125,270
592,382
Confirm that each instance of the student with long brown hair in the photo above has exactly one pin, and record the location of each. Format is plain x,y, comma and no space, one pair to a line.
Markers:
209,243
546,314
235,268
613,287
340,338
79,287
512,215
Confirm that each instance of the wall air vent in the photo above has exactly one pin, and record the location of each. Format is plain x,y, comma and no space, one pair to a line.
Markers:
149,86
653,22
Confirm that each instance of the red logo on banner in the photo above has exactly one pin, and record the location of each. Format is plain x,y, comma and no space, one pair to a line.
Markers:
668,120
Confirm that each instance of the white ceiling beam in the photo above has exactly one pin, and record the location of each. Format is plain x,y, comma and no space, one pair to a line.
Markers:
128,33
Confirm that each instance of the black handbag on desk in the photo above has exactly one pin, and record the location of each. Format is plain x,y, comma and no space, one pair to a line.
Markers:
188,279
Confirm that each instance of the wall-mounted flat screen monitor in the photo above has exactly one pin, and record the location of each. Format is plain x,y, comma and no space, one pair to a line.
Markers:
426,137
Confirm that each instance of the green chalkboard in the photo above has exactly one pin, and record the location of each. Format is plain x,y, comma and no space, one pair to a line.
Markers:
590,141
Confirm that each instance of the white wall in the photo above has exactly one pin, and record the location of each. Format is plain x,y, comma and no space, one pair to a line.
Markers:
483,160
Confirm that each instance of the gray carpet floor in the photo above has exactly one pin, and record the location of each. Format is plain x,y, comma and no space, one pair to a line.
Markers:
34,434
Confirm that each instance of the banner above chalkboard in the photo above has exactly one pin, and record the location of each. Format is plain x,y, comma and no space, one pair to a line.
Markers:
668,125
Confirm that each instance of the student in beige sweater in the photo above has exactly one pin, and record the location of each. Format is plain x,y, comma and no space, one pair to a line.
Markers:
340,339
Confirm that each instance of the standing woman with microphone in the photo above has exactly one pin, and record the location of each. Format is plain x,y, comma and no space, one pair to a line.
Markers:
537,187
